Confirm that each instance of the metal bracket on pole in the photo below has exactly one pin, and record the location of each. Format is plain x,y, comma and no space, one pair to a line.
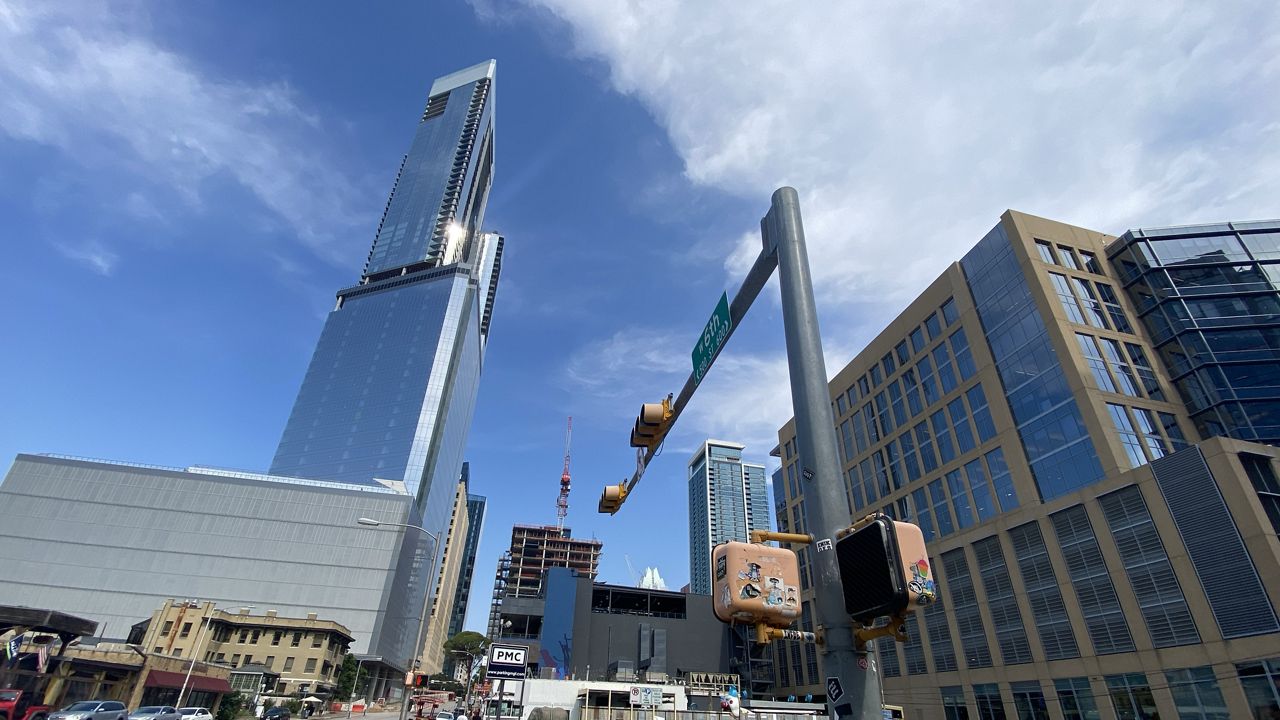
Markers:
766,635
858,524
896,628
764,536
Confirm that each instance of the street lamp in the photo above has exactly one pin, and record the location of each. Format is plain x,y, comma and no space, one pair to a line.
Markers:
195,650
426,599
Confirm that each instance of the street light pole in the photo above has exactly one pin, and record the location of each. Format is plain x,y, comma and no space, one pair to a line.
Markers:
195,653
426,600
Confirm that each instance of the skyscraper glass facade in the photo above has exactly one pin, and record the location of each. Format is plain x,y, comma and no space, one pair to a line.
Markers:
475,519
390,392
1053,433
727,500
1209,295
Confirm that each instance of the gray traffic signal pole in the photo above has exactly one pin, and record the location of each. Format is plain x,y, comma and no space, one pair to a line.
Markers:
852,685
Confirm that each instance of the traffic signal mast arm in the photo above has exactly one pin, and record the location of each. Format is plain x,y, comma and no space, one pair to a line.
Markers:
614,495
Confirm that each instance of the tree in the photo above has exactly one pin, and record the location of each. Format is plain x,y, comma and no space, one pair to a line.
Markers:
230,706
470,648
346,678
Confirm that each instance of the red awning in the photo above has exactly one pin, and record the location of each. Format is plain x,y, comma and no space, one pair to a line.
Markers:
166,679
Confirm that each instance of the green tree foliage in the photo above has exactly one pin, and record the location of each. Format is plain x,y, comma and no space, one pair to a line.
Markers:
230,706
469,648
346,678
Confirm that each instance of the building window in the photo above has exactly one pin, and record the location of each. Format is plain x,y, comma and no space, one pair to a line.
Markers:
1001,602
1053,626
1261,682
255,636
964,357
1076,698
310,667
1150,574
913,648
1091,263
933,326
1131,697
888,364
1143,367
1128,436
987,697
167,627
1028,699
1068,257
275,637
960,499
981,413
940,645
949,312
946,374
1263,477
1066,298
960,426
953,705
244,636
177,652
1196,694
924,513
248,660
1001,479
1093,358
186,630
1114,311
902,352
270,662
1128,382
1092,308
917,340
1046,252
288,664
941,512
235,660
810,649
964,602
887,647
979,490
1095,594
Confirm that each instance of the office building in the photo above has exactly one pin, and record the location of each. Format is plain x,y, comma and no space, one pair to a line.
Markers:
518,600
475,525
593,630
1103,539
727,500
448,575
300,654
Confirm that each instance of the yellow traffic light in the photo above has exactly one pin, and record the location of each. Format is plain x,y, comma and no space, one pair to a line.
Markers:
613,497
651,425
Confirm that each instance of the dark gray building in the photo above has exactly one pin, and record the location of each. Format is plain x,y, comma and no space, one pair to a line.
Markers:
600,631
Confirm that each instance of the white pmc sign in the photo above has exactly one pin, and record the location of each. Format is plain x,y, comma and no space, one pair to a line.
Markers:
507,661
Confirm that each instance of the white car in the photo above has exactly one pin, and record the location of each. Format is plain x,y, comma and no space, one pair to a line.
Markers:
194,713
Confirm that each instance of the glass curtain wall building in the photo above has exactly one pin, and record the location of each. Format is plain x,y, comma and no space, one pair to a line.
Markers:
727,500
475,524
390,391
1209,295
1101,548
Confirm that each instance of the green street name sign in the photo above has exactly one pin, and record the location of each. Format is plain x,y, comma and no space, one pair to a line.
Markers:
713,336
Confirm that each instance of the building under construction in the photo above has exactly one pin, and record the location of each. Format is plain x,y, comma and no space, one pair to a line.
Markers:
518,589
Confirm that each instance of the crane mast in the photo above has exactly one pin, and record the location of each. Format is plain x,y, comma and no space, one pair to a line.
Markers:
562,504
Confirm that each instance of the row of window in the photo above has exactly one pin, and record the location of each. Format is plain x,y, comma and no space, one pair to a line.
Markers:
1149,574
1127,371
238,661
1140,436
1090,303
1195,692
1065,256
915,343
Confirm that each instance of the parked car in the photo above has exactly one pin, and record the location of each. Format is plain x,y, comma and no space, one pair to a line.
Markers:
155,712
444,715
278,712
195,713
92,710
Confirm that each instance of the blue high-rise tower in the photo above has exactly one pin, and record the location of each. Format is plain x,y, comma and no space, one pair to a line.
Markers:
389,395
727,500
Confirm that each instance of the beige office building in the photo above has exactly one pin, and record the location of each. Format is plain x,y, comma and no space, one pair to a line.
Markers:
306,653
449,573
1099,552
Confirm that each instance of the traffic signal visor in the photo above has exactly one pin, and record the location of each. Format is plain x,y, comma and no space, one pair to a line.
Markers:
755,583
613,497
651,424
884,570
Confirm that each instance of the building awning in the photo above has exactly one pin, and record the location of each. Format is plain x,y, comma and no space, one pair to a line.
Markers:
166,679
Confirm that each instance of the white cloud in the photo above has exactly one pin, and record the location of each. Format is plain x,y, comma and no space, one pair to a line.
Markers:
88,80
92,253
908,127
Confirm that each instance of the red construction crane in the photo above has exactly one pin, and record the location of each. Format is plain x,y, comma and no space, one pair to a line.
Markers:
562,504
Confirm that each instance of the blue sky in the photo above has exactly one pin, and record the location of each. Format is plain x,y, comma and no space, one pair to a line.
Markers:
184,186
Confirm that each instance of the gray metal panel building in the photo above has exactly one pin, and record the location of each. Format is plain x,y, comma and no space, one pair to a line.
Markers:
112,541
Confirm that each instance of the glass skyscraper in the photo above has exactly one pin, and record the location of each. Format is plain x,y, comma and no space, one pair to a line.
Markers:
1210,297
389,395
727,500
